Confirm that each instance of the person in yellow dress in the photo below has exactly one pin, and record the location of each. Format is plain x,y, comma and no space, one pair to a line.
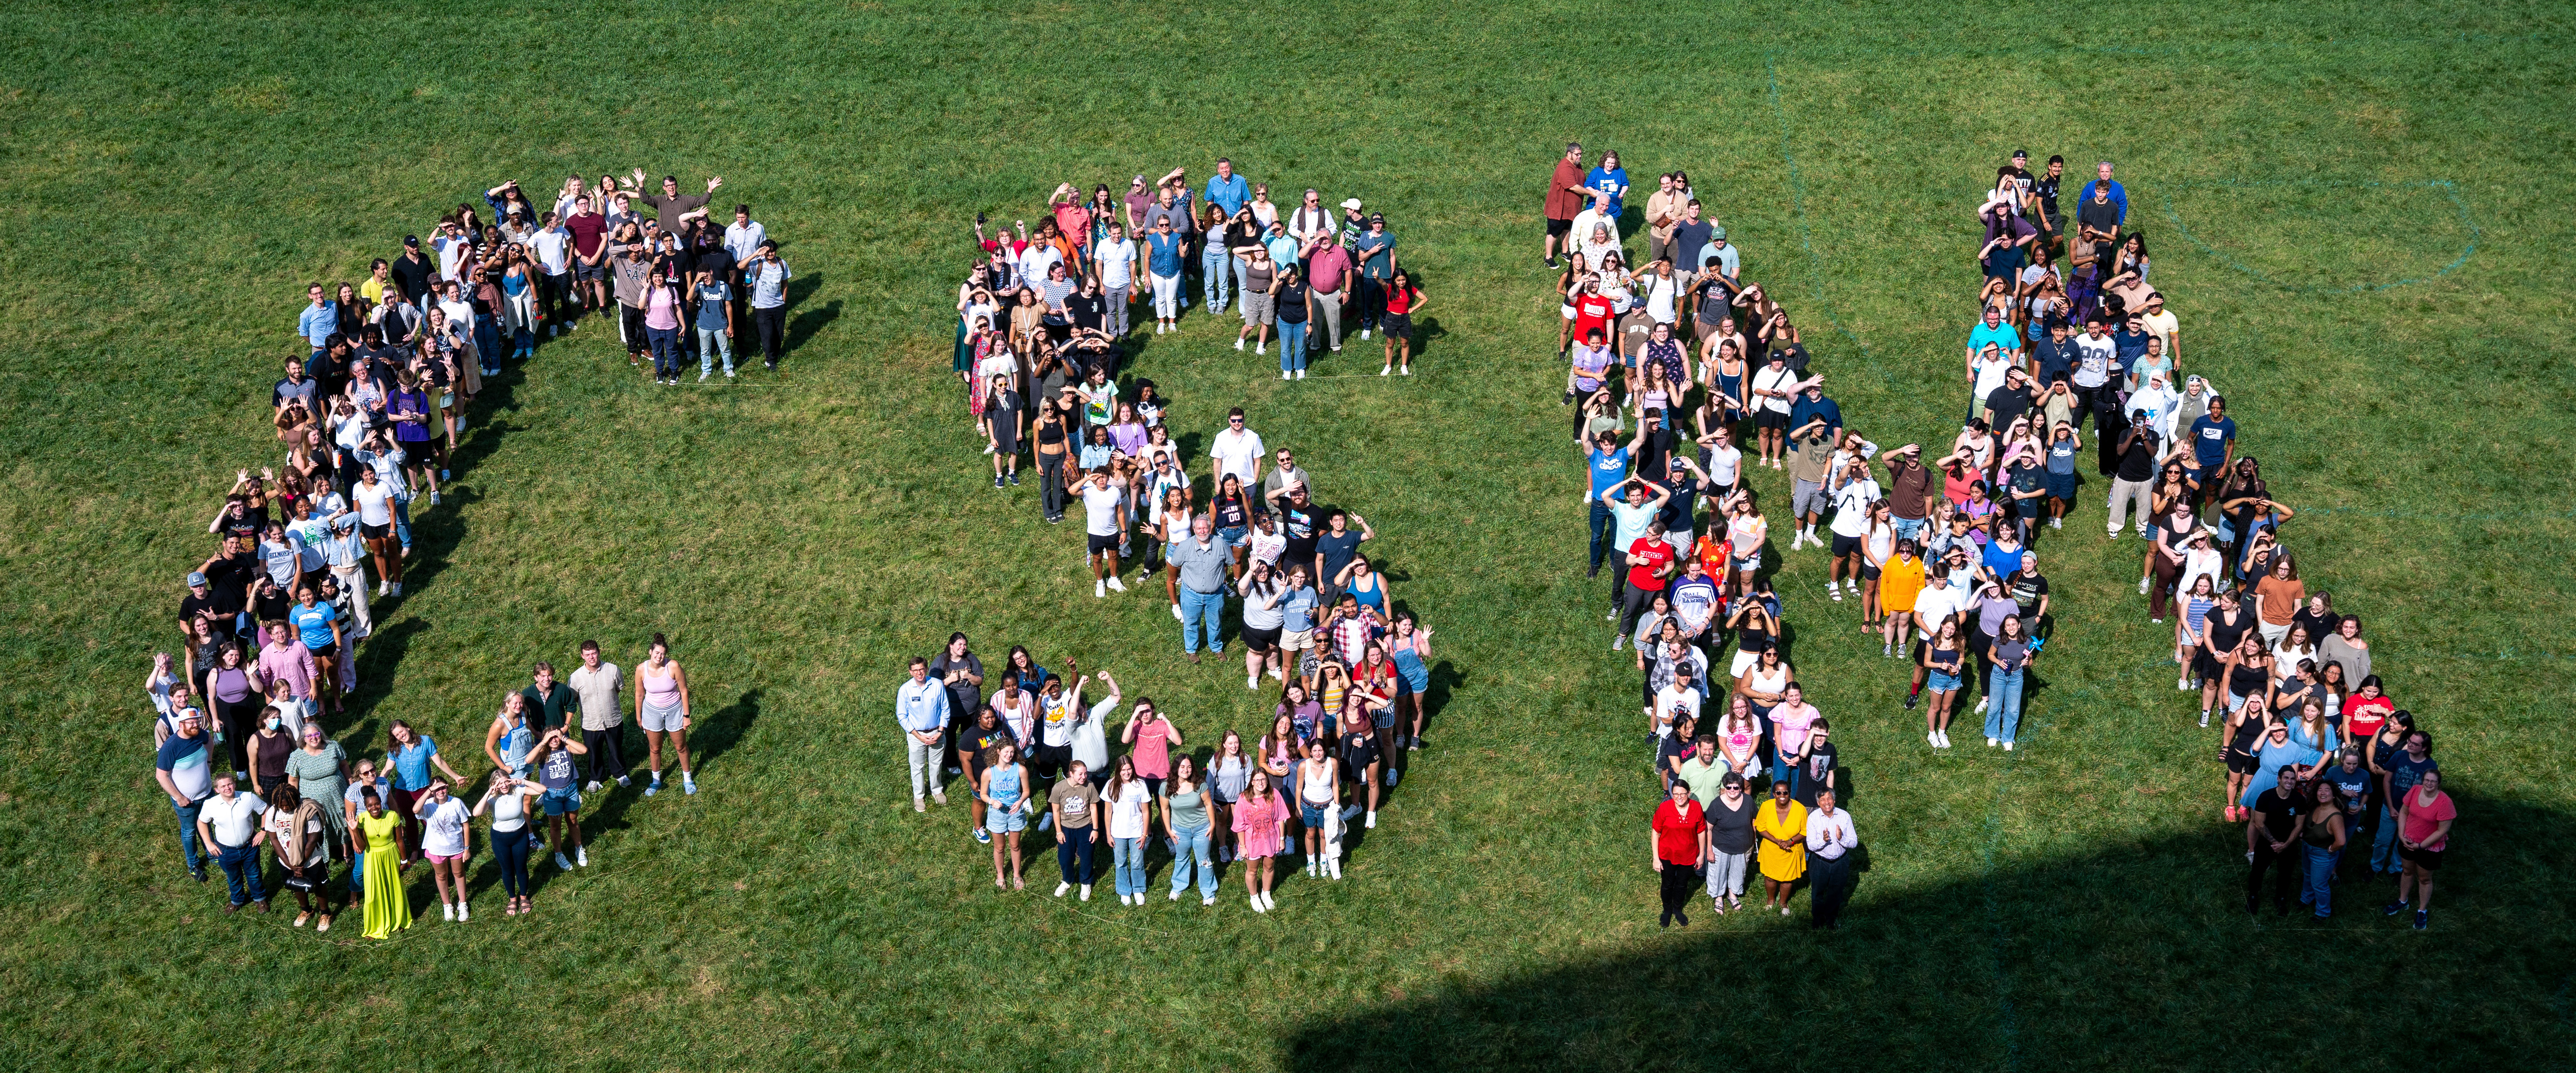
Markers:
388,908
1780,827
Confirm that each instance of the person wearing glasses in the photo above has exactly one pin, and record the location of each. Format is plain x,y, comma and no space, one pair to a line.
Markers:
1164,248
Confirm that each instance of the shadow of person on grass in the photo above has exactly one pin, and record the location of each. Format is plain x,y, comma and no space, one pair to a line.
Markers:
2136,954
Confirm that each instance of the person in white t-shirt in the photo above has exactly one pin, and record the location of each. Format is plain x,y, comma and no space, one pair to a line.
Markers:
1853,492
443,820
1115,261
1104,513
1237,450
554,284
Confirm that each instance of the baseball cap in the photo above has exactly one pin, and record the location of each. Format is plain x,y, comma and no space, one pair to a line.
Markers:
1351,203
2021,154
1377,217
411,240
1718,234
195,579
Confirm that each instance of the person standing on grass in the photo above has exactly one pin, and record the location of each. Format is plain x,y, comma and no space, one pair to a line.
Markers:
662,706
1399,300
1104,517
1260,828
2323,833
1072,805
229,822
2400,769
2272,826
552,760
921,708
1003,790
2008,658
317,625
1186,808
1199,563
715,328
1679,850
1293,305
603,720
1782,827
1566,196
1128,806
1831,838
2424,817
1328,276
765,275
379,829
1730,815
1164,263
445,822
412,755
302,845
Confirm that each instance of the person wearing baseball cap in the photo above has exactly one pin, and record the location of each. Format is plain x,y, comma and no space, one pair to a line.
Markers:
1375,250
184,766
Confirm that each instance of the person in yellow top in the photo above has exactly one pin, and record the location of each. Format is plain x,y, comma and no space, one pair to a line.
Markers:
388,909
1780,830
1899,580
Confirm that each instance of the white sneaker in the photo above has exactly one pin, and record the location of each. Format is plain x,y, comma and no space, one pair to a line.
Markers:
561,864
1255,901
1372,818
2142,586
919,806
1616,643
1060,888
2007,746
1113,583
2057,523
1176,614
703,374
1258,348
1945,739
1252,681
1934,737
581,856
1337,348
1208,900
1383,370
1364,335
1099,588
2182,684
590,787
446,911
464,912
1301,374
1283,374
1176,896
1086,892
939,797
1238,342
1407,370
1991,743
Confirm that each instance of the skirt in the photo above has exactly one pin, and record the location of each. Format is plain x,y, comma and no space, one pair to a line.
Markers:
388,909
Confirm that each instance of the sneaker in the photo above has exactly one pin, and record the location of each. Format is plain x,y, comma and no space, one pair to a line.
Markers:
1208,900
1301,374
1406,370
1945,739
1258,349
939,797
1175,895
562,863
1015,478
1382,370
464,912
1551,262
920,806
1113,583
1238,342
1887,651
728,374
1372,818
2142,586
2423,919
997,482
2182,684
590,787
1252,681
2057,523
2007,746
1616,643
1284,375
581,856
433,497
2392,909
1099,588
1086,892
1992,742
1568,400
654,788
1060,888
1364,335
1046,820
703,374
446,911
2204,718
621,781
1934,737
1912,699
1337,348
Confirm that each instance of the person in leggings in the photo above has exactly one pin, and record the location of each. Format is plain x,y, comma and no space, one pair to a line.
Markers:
1053,453
512,801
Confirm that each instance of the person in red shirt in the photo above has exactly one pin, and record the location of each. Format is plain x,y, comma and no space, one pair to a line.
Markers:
1650,562
2424,817
1592,312
590,255
1681,846
1565,195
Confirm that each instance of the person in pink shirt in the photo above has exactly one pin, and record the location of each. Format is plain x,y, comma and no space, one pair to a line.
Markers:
285,659
1791,719
1261,822
662,303
1150,739
1328,278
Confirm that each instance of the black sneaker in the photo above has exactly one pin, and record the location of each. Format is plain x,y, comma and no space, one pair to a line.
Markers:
198,874
1015,478
1551,262
2423,919
1911,699
2392,909
1568,400
773,366
997,480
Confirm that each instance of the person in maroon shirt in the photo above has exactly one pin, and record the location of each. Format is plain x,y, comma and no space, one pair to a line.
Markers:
590,256
1565,195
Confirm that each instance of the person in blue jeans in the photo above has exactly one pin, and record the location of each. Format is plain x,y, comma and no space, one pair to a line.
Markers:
1295,312
1608,461
2399,774
2008,660
185,766
2323,839
1199,563
1215,261
235,816
1186,820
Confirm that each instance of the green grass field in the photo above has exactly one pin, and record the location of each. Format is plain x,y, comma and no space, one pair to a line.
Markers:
2373,270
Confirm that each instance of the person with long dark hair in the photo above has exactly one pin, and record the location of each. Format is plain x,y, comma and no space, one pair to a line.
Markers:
662,706
512,801
1679,850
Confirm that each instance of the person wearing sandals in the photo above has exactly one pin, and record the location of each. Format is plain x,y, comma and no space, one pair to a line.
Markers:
512,801
1004,790
301,841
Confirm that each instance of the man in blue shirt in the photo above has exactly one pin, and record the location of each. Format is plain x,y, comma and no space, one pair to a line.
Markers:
2130,343
921,708
2119,197
1994,331
185,768
2056,355
318,320
1609,465
1813,405
1227,189
2213,443
766,277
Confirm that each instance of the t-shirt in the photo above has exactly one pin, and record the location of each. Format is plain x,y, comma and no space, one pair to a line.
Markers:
1236,453
2405,771
2008,403
2281,598
2138,463
2422,818
1073,800
1337,550
2209,440
190,764
2278,813
963,696
1647,575
443,829
1299,526
598,692
1730,830
1678,830
1117,263
1851,507
2354,785
313,624
1689,238
1609,468
1562,202
1913,484
1100,508
2026,588
234,822
2000,334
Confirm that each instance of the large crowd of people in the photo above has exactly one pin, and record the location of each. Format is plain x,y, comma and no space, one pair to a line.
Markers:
379,389
1939,552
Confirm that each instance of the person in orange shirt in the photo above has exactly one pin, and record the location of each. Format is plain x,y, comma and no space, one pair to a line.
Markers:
1898,583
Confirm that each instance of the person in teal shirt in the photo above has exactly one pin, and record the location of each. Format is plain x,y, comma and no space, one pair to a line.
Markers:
1995,331
1376,252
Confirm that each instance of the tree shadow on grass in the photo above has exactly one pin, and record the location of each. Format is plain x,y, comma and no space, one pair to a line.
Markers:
2132,955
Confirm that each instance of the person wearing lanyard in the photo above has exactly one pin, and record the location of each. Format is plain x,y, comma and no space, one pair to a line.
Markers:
921,708
1200,564
1830,841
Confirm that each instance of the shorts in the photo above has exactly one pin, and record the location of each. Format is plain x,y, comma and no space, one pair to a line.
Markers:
375,532
2429,860
1259,308
2026,508
1766,417
1008,821
1234,536
590,272
444,858
2205,666
2062,486
1807,498
2240,762
1099,543
1845,545
1397,325
1296,640
562,802
1558,228
1939,681
1907,528
661,720
329,651
1868,572
1261,640
1311,815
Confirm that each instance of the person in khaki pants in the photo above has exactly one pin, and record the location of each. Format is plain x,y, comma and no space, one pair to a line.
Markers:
2141,451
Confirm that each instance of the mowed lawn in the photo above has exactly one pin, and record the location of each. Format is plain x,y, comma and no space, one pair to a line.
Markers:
2373,273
